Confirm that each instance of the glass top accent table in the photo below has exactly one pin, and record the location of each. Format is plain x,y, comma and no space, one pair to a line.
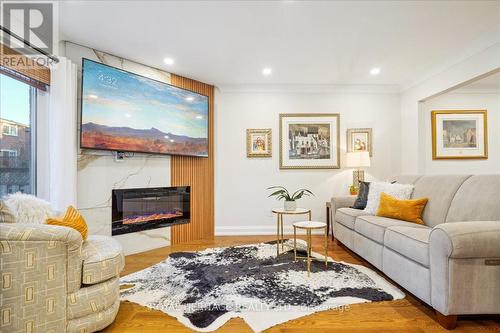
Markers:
279,224
308,226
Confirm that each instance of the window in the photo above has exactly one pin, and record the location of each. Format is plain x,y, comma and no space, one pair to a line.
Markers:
9,129
8,153
17,136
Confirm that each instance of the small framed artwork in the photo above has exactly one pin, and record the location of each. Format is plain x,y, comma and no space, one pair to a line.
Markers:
259,142
459,134
309,141
359,139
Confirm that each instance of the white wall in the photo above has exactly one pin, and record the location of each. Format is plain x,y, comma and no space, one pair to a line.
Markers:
242,206
473,67
462,101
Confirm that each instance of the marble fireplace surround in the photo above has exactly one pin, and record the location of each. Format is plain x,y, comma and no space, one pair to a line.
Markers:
98,172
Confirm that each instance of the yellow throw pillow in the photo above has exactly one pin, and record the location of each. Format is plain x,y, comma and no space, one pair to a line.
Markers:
72,219
406,210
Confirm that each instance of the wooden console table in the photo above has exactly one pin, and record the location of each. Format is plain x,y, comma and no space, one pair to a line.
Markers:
329,219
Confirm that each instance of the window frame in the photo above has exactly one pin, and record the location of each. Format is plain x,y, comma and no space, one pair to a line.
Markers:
9,151
33,138
10,132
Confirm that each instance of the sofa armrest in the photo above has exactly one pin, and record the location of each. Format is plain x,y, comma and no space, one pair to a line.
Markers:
39,244
342,202
40,232
464,267
478,239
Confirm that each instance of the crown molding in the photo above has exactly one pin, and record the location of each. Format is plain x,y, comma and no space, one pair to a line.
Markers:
476,90
311,88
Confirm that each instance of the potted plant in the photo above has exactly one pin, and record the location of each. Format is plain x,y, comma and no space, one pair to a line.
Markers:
353,190
290,200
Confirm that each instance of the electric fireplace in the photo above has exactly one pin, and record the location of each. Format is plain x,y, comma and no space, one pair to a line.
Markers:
140,209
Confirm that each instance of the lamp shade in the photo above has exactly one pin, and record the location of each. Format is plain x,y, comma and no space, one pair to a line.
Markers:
358,159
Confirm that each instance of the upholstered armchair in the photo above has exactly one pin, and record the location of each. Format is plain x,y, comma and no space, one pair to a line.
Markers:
53,281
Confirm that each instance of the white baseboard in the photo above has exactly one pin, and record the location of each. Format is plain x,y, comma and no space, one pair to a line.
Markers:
250,230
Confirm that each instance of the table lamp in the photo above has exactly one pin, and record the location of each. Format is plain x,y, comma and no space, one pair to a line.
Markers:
358,160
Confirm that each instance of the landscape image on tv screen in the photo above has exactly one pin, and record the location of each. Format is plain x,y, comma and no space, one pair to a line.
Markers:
127,112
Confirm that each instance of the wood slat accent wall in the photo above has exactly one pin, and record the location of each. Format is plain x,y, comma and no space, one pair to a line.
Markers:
198,172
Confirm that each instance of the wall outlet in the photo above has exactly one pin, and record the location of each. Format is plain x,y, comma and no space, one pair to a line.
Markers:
120,156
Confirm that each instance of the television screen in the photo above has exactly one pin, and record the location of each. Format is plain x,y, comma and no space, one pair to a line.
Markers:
127,112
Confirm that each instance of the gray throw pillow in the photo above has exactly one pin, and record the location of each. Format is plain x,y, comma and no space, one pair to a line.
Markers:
362,198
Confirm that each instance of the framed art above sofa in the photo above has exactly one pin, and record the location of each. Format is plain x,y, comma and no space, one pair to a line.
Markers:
459,134
359,139
309,141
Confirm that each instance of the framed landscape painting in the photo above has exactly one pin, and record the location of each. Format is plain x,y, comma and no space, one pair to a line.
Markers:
359,139
309,141
259,142
459,134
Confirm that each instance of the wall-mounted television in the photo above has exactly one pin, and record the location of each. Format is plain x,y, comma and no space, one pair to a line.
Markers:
123,111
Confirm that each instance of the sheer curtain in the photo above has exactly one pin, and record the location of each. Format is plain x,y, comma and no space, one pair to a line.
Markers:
63,135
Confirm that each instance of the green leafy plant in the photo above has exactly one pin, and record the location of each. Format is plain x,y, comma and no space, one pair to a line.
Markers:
282,193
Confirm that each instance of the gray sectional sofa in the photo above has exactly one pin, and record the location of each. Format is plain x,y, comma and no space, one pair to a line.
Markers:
452,263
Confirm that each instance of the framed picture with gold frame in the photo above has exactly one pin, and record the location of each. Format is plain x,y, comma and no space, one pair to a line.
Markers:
359,139
259,142
309,141
459,134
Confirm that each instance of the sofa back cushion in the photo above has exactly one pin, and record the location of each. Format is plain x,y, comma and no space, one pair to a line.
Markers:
440,190
478,199
404,179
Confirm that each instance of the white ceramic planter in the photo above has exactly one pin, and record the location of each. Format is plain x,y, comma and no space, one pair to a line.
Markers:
290,205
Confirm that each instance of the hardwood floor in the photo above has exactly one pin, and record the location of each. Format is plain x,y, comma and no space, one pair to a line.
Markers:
407,315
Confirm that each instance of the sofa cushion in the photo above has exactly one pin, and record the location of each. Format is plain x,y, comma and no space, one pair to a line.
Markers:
362,198
410,242
347,216
406,210
399,191
373,227
404,179
6,215
476,200
93,299
72,219
102,259
440,190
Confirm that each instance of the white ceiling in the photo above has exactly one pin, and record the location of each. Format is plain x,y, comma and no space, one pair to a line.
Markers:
305,42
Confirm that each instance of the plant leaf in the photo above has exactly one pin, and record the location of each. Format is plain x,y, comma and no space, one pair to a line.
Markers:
285,191
276,193
300,193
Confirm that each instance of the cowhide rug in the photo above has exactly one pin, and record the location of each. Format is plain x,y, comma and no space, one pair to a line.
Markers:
203,290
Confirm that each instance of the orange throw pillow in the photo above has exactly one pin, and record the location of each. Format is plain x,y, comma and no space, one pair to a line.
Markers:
406,210
72,219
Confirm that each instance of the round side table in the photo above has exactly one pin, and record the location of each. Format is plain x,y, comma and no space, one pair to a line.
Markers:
308,226
279,223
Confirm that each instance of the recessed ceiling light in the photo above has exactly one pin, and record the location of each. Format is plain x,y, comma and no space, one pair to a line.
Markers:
171,140
168,61
267,71
93,96
190,98
375,71
199,117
